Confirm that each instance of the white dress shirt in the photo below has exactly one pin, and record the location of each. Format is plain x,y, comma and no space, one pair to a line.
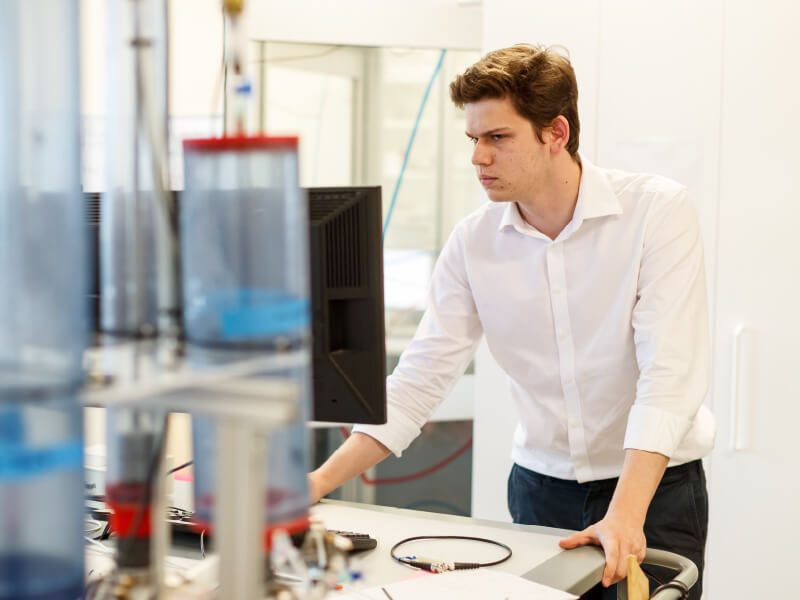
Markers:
603,331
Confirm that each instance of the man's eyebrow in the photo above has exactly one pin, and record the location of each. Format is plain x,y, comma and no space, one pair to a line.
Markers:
490,132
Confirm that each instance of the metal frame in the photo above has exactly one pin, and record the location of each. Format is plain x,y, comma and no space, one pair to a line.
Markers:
686,573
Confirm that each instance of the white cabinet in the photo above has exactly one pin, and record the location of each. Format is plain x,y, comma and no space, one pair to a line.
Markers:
754,471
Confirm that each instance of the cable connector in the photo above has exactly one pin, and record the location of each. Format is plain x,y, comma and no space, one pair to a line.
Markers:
440,566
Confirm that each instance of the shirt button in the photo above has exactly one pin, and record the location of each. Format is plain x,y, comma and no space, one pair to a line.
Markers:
568,380
556,290
563,334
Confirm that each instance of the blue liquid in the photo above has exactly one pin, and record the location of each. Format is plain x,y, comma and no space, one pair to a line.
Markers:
38,577
245,316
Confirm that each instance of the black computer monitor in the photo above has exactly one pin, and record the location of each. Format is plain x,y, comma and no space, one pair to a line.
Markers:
347,313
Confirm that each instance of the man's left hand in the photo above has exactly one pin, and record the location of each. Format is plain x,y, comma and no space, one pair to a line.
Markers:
618,537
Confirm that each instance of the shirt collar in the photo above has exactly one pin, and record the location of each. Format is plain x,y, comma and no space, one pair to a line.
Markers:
595,196
513,218
595,199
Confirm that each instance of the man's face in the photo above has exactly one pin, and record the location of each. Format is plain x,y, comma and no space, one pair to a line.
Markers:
511,163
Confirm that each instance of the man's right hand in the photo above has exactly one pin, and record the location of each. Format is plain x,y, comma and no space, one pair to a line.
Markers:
358,453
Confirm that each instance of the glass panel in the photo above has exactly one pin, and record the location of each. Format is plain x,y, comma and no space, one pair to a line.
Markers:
319,109
356,110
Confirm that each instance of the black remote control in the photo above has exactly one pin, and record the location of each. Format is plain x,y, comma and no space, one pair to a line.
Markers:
361,541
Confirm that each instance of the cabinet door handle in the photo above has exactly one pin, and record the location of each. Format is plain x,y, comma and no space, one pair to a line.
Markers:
735,443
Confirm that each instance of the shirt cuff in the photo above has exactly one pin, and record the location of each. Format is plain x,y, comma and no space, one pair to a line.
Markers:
396,434
655,430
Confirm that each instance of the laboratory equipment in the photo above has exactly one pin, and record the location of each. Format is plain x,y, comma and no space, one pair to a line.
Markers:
138,280
41,493
244,267
136,439
243,228
137,239
234,56
285,498
44,322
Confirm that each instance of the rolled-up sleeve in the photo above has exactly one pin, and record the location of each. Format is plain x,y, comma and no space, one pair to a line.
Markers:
670,322
438,354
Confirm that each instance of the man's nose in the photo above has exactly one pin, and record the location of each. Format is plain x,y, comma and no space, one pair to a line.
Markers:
481,155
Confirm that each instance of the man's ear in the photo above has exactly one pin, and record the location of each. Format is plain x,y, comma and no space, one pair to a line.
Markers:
559,133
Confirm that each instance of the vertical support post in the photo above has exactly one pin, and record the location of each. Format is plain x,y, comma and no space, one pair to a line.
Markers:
239,514
160,537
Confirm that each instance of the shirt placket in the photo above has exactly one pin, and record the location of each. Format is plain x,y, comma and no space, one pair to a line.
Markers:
566,355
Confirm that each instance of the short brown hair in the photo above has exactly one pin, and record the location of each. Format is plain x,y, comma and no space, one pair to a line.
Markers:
539,81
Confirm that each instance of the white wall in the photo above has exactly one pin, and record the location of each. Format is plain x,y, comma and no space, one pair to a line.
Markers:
195,48
494,417
412,23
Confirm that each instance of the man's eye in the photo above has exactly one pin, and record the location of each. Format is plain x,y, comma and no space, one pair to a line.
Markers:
497,137
474,140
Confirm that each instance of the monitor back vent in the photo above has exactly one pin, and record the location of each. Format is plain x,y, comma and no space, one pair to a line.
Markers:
326,205
93,209
343,249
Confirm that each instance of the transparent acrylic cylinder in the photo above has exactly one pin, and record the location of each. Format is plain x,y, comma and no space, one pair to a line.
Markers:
44,317
244,239
133,224
286,495
245,284
41,496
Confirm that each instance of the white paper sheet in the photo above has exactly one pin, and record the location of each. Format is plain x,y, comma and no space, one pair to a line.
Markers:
483,584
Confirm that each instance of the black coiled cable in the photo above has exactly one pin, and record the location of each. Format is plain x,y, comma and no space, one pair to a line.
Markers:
440,566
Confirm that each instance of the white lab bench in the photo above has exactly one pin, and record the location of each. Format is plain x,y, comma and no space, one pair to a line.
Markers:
536,554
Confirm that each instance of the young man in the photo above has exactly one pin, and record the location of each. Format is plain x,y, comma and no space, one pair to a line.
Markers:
589,286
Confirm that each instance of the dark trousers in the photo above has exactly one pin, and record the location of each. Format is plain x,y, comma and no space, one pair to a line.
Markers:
677,519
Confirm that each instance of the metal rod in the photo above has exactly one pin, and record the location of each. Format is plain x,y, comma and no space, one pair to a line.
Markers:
262,87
